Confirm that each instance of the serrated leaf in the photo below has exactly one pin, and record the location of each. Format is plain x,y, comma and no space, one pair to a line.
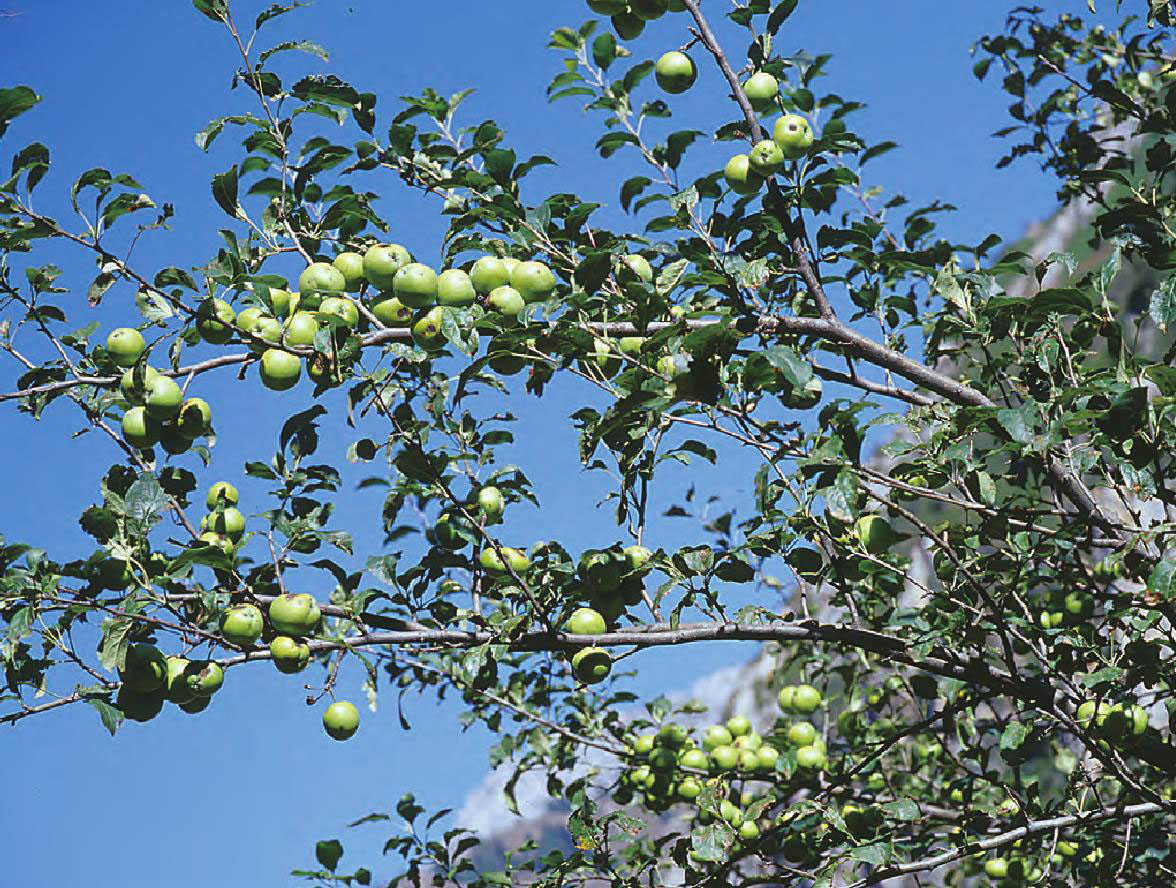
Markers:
712,842
901,809
111,716
15,101
213,9
145,499
669,276
1014,735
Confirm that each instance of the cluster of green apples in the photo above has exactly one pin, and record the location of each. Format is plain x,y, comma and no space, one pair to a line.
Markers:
629,16
792,137
224,525
611,580
1121,724
149,679
157,411
1066,609
454,531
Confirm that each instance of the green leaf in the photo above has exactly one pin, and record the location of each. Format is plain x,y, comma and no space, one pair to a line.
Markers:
604,50
307,46
145,499
1014,735
14,102
213,9
1163,579
711,842
876,854
224,191
1019,422
1162,308
328,853
780,14
901,809
841,498
111,716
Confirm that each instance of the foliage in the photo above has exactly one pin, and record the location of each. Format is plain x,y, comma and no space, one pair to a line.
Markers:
985,602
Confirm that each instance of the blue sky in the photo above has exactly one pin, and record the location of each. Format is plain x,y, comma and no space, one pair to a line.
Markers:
255,775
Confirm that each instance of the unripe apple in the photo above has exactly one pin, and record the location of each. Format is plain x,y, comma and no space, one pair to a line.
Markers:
222,492
290,656
638,556
173,442
515,560
145,669
350,265
996,868
392,312
241,624
319,280
739,725
454,287
301,328
135,391
645,744
415,285
748,830
139,429
381,262
211,538
766,157
506,301
280,370
874,533
341,720
445,534
673,735
716,736
689,788
247,318
213,320
741,177
802,734
125,345
585,621
228,522
280,300
269,331
786,697
761,90
636,267
794,135
340,307
675,72
488,274
163,398
806,698
591,665
694,758
766,757
294,614
426,330
491,503
725,758
811,757
178,689
602,360
627,25
205,678
631,345
140,707
533,280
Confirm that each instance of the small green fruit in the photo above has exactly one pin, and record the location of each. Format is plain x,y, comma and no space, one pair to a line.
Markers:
591,665
794,135
280,370
320,279
145,669
675,72
741,177
341,720
761,89
241,624
454,287
290,656
222,492
766,157
488,274
586,621
415,285
381,262
195,418
301,328
139,429
533,280
213,321
350,265
164,398
125,345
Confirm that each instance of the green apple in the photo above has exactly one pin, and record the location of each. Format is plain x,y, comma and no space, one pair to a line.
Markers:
426,330
392,312
761,90
689,788
195,418
741,177
318,280
811,757
725,758
637,267
638,556
196,704
533,280
454,287
491,503
996,868
506,301
748,830
125,345
227,522
802,733
645,744
138,706
139,429
751,741
301,328
280,370
340,307
269,331
766,157
445,532
648,10
693,757
281,301
516,560
178,689
211,538
585,621
295,614
673,735
739,725
716,736
631,345
204,678
341,720
874,533
222,492
145,669
675,72
766,757
601,359
794,135
164,398
806,698
136,382
627,25
214,321
290,656
350,265
591,664
786,697
488,274
607,7
241,624
415,285
381,262
247,318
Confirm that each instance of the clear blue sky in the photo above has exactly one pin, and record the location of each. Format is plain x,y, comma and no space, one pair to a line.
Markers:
126,86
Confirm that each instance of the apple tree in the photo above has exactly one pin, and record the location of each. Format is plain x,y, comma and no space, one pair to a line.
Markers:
954,545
